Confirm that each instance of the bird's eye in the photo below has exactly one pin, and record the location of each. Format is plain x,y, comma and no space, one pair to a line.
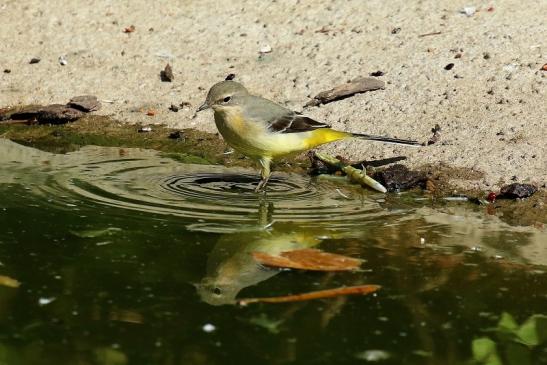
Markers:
217,291
227,99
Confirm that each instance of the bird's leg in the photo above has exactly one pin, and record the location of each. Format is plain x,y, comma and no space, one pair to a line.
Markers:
265,173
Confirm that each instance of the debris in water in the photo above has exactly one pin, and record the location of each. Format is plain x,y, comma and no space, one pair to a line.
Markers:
208,328
359,85
150,112
309,259
94,233
373,355
395,30
342,194
399,177
517,191
34,60
9,282
268,324
377,73
129,29
320,294
85,103
45,301
166,75
174,108
449,67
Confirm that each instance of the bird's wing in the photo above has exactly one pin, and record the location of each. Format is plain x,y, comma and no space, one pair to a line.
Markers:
294,123
277,118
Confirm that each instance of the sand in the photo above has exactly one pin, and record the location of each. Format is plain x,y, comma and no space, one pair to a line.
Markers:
491,106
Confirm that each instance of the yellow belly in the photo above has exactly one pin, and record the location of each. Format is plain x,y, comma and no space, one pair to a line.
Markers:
255,140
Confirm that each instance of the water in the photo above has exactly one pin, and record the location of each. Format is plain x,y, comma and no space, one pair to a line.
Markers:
125,257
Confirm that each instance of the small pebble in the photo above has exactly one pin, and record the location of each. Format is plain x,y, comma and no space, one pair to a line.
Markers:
265,49
449,67
166,75
34,60
62,60
468,10
176,135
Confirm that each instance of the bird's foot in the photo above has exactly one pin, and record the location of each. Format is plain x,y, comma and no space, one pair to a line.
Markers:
261,187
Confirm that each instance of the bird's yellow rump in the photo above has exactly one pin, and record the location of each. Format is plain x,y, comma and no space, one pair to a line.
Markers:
264,130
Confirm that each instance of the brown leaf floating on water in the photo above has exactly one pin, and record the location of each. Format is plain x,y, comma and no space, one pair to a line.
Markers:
9,282
309,259
320,294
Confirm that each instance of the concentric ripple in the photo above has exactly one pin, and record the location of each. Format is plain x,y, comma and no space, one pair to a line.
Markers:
212,198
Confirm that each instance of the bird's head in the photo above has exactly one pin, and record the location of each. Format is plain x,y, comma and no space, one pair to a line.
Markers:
222,95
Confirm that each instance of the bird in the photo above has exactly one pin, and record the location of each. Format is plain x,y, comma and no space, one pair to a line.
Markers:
265,131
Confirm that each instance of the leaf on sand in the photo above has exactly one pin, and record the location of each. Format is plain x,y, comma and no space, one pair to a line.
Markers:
309,259
328,293
9,282
359,85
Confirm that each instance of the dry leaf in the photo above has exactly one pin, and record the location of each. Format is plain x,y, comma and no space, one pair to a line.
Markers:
328,293
309,259
359,85
9,282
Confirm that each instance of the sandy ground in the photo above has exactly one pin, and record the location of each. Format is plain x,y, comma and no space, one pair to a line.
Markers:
491,105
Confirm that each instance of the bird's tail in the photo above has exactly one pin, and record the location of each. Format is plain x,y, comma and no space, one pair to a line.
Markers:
386,139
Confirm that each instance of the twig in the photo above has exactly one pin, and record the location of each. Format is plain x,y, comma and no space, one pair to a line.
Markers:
355,175
329,293
428,34
359,85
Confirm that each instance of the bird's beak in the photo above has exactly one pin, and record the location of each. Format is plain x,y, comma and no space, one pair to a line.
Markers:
203,107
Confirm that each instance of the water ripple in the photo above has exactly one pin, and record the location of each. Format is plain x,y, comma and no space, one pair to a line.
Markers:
212,197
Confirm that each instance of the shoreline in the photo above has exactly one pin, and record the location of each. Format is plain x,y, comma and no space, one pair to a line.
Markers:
187,146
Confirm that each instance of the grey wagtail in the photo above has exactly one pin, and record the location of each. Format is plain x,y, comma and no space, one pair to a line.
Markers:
264,131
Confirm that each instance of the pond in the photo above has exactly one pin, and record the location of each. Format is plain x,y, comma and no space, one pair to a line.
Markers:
124,256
